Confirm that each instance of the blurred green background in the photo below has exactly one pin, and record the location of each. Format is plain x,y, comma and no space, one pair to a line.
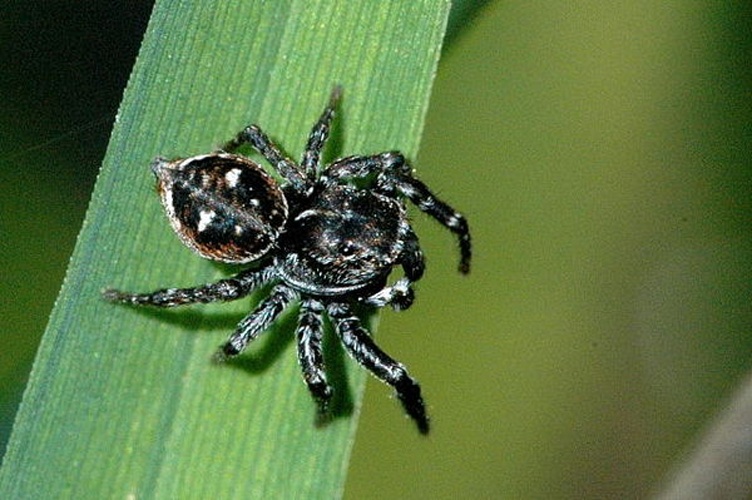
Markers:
602,155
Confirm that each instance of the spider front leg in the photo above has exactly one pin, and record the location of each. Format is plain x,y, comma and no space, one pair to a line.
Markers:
427,202
362,348
394,175
310,335
224,290
257,322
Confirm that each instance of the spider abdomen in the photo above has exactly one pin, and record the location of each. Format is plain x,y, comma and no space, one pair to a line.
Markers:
224,207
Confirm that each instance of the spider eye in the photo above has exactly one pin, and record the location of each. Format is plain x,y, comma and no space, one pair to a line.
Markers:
224,207
348,248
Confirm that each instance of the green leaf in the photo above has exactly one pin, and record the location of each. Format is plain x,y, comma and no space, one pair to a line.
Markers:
126,403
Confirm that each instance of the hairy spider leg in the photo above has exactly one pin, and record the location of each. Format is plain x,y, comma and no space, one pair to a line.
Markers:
258,140
362,348
412,259
428,203
394,173
258,321
310,335
239,286
318,136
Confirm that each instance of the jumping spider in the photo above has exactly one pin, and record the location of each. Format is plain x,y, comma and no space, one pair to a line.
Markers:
328,237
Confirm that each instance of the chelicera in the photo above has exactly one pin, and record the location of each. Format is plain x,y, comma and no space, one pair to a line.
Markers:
327,236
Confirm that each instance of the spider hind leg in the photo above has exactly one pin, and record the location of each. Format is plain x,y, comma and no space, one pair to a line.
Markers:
239,286
318,136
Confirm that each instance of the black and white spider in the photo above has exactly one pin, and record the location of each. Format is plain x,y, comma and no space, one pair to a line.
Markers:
327,237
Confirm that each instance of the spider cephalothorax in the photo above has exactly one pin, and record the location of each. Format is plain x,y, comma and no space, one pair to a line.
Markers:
319,238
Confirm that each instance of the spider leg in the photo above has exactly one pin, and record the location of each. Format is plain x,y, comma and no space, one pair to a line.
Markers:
355,167
427,202
412,259
228,289
310,355
318,136
362,348
259,320
258,140
394,174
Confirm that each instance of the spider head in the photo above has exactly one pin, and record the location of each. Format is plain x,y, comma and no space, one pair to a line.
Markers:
224,207
347,238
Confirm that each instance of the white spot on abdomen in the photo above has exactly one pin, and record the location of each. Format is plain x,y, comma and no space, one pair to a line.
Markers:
232,177
205,218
